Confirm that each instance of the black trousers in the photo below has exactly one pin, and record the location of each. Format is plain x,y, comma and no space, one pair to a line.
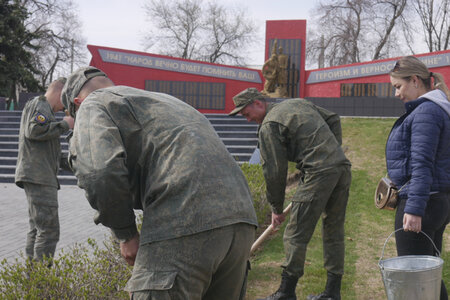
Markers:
436,218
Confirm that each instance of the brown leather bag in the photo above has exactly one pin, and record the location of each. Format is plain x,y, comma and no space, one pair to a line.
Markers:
386,194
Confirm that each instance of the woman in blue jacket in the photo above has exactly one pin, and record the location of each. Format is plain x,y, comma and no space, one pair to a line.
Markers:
418,158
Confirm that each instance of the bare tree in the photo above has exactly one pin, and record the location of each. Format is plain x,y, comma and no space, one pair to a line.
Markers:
178,26
190,29
435,18
227,30
59,46
341,25
384,23
350,31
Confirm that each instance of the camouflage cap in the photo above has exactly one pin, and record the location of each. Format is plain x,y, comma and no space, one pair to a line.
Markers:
244,98
75,83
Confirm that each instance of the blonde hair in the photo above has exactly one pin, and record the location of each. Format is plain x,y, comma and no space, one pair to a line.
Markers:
409,66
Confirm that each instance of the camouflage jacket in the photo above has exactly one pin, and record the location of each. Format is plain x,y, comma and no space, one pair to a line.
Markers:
39,144
137,149
298,131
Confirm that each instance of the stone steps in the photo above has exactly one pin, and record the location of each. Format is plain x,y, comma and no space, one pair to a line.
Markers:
239,136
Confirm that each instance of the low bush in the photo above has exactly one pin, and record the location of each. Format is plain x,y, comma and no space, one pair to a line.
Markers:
257,185
84,272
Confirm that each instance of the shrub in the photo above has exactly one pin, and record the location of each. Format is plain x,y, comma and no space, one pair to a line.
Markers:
85,272
257,185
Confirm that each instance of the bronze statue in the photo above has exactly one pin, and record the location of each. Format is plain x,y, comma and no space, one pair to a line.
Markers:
270,72
282,73
275,73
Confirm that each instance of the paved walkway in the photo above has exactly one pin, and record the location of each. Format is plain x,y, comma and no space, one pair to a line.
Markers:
75,217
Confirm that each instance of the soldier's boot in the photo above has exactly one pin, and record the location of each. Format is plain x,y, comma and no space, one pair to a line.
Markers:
286,291
332,289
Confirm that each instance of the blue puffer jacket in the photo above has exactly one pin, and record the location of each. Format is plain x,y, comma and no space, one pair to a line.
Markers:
418,150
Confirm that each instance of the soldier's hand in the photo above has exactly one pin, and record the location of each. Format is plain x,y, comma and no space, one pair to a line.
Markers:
69,121
277,220
129,249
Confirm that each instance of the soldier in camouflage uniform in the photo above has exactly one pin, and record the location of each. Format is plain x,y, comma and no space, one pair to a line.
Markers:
138,149
296,130
37,167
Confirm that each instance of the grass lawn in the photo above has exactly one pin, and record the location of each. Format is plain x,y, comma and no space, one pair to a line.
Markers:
366,227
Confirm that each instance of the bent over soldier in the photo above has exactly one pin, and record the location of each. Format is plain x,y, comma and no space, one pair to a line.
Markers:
138,149
37,168
298,131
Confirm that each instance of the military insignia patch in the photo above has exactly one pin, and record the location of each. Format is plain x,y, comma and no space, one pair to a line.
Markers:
40,118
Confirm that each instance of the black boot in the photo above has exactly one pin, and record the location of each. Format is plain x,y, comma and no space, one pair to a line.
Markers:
286,291
332,289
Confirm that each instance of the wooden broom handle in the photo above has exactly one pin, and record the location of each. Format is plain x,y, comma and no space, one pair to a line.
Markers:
267,232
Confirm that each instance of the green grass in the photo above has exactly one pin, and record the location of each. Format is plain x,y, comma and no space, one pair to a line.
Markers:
366,227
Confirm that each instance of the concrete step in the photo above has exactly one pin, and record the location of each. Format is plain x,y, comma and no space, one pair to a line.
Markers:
240,141
10,125
15,138
9,138
13,119
7,178
9,145
63,180
16,113
243,127
237,134
15,145
11,169
7,169
9,131
234,149
8,161
8,153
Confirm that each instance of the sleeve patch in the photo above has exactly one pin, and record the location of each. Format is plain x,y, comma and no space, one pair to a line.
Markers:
40,118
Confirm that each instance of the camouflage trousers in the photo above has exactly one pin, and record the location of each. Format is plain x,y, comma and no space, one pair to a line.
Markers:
43,219
322,194
207,265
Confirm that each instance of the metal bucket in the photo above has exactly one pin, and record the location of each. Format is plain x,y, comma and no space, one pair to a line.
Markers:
412,277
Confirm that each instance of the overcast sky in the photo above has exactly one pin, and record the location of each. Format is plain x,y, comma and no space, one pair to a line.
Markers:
122,23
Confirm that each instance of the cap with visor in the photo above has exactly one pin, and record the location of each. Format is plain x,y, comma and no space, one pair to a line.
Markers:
75,83
244,98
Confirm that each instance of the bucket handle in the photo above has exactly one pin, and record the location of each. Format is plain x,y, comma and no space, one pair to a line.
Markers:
385,242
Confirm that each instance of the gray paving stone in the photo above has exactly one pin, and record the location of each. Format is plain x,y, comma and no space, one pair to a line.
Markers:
75,217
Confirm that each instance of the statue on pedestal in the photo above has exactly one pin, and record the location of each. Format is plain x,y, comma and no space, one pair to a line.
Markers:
282,73
270,73
275,73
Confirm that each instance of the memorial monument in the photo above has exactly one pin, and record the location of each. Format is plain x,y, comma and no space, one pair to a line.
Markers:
274,72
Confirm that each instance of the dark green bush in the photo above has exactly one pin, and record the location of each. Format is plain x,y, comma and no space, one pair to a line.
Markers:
257,185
